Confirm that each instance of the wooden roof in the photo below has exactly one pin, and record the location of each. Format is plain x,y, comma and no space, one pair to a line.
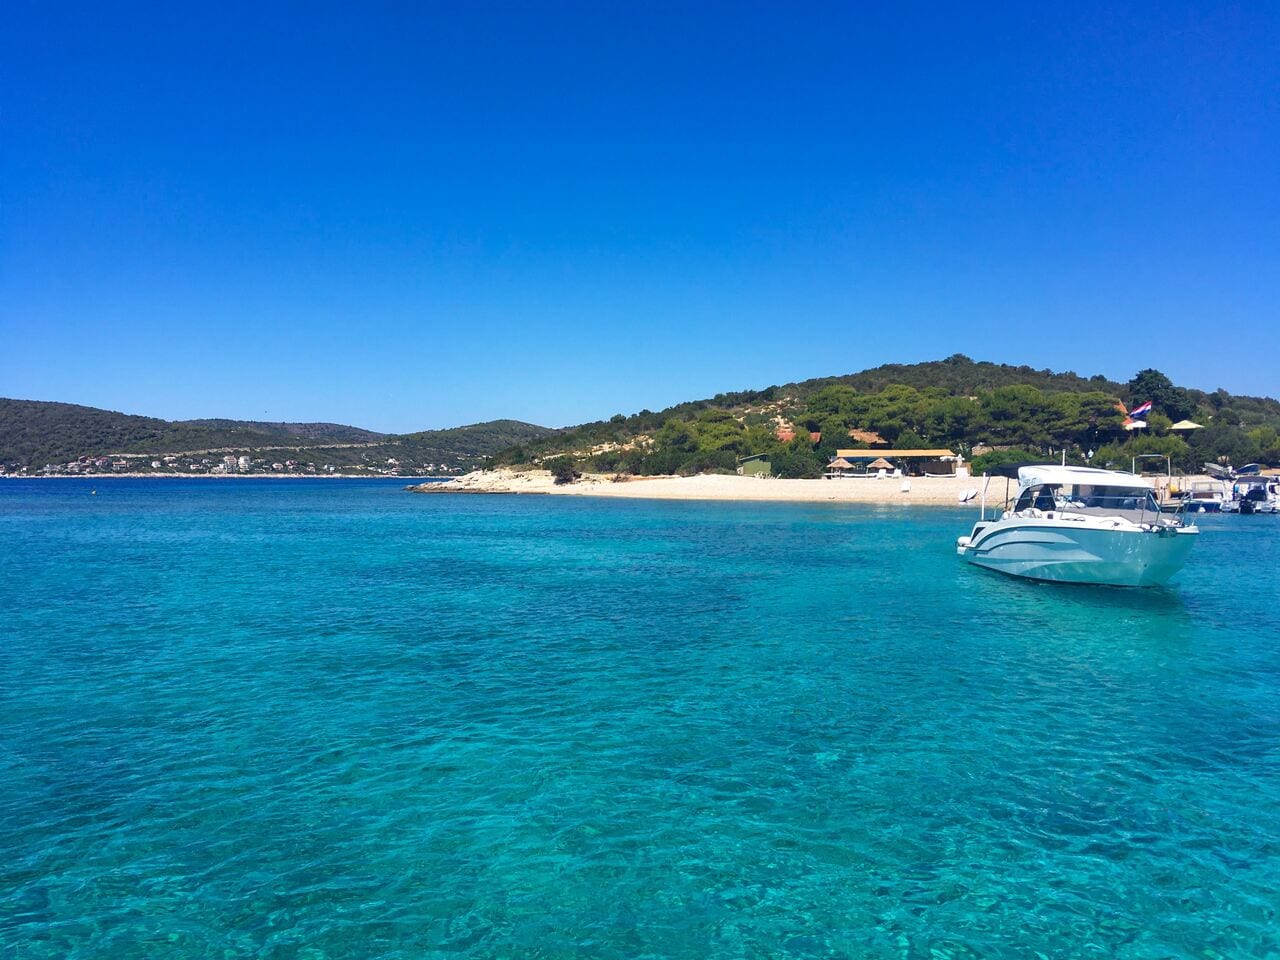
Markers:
896,454
866,436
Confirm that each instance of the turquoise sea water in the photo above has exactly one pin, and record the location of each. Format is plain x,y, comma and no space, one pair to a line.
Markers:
332,719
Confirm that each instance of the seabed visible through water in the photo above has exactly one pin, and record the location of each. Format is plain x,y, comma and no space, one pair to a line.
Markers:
333,719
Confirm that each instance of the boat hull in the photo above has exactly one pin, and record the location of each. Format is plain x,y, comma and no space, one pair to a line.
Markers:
1066,552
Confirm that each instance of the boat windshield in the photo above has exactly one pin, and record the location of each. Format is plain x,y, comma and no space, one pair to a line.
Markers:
1205,489
1131,503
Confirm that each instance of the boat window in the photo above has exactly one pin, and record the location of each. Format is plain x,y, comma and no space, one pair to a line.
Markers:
1040,496
1111,501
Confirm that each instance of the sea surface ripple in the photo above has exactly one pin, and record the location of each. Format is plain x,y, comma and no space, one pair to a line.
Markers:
330,719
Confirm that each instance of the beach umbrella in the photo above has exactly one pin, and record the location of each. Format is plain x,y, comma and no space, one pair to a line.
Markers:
1186,425
879,463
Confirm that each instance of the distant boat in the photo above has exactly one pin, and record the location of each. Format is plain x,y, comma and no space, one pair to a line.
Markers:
1080,525
1204,496
1253,494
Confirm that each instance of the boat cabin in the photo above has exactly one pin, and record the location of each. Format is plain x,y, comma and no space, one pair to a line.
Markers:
1081,491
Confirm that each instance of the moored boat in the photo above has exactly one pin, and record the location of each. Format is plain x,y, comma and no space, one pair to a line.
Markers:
1080,525
1204,496
1253,494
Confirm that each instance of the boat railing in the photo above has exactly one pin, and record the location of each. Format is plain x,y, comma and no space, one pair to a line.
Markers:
1142,509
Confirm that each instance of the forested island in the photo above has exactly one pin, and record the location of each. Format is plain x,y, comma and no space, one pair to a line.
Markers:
990,413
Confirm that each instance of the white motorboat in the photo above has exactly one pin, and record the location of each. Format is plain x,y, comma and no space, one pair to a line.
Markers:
1253,494
1205,496
1080,525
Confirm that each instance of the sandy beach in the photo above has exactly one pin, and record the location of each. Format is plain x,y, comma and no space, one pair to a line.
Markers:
164,475
900,491
933,491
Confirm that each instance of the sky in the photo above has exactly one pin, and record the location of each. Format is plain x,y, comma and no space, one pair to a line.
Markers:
408,216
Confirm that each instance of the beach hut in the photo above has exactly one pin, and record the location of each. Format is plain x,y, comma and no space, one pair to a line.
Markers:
840,467
756,466
927,463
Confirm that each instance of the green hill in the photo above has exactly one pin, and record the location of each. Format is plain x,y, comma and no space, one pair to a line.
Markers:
957,403
322,432
35,433
471,443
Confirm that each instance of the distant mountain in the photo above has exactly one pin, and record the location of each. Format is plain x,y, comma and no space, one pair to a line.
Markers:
477,439
324,432
34,433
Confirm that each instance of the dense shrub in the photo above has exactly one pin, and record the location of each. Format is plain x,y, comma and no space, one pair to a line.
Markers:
563,470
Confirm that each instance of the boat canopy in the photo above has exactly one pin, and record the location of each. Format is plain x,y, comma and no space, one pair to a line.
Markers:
1035,474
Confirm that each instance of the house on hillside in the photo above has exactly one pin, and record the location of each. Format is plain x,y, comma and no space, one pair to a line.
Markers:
869,437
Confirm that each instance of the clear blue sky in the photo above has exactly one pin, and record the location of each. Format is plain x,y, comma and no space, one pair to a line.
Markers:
431,214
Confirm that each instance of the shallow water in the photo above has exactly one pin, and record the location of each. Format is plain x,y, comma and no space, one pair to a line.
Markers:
331,719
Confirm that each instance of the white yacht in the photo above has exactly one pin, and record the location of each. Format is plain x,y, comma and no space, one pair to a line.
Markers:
1079,525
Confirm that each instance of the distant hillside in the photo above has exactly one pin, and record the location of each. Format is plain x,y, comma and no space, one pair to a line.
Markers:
323,432
465,445
956,403
38,432
35,433
959,376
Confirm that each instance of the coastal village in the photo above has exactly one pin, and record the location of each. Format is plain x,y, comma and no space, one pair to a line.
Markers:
230,465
